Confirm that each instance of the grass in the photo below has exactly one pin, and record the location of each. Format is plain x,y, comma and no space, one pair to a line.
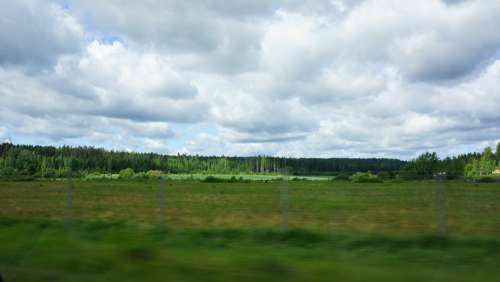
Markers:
41,250
407,207
201,177
338,231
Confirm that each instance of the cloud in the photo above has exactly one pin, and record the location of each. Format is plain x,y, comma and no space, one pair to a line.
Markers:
327,78
3,134
35,34
427,41
105,80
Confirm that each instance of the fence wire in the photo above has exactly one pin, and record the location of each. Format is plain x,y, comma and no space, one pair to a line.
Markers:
433,207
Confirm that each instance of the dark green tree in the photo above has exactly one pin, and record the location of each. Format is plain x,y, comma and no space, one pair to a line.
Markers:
487,162
426,165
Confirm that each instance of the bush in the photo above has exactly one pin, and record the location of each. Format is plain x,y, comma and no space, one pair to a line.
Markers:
365,177
7,172
384,175
484,179
233,179
127,173
141,175
213,179
18,178
155,174
409,172
49,173
99,176
341,177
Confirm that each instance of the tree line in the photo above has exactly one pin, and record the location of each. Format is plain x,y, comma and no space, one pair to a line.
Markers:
53,162
50,162
471,165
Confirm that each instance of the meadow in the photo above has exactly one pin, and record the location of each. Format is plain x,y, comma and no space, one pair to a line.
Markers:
204,176
269,230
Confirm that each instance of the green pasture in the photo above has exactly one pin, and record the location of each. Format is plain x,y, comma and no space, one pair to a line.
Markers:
202,177
405,207
334,231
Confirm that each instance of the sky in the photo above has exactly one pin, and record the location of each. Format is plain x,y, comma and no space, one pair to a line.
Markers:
372,78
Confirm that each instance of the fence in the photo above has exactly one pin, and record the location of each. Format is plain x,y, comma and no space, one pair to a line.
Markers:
439,206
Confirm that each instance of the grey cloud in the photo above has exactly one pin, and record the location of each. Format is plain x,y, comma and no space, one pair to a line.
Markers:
181,26
3,134
265,120
178,90
454,2
271,122
428,42
38,96
100,131
70,86
271,139
51,126
240,135
219,36
326,78
160,130
175,111
35,33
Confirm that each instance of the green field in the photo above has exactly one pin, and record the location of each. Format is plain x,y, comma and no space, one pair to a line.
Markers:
333,231
201,177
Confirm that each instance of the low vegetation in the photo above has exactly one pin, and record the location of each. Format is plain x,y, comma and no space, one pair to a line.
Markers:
45,250
365,177
232,231
385,207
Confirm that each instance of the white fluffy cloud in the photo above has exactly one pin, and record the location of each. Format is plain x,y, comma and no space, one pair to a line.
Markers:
332,78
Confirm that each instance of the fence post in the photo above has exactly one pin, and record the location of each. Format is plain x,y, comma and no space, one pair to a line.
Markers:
284,200
162,200
440,201
68,212
331,194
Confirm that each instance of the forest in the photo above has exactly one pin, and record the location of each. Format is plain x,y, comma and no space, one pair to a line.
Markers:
49,161
53,162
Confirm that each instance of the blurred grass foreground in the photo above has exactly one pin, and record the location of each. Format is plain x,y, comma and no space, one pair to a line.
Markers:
233,232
